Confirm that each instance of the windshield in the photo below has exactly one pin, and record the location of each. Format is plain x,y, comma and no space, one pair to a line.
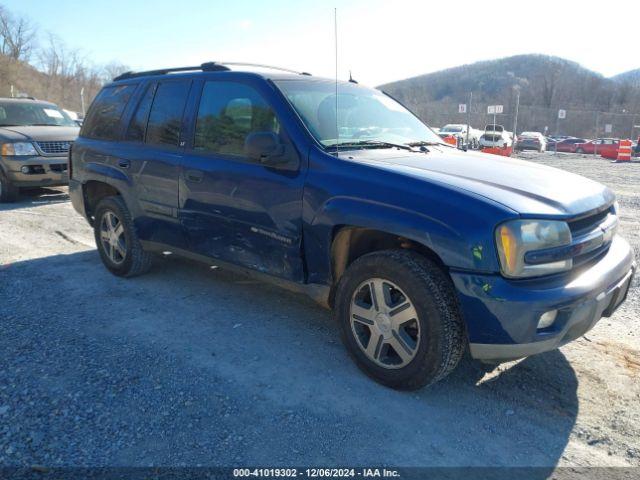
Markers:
451,129
364,114
22,114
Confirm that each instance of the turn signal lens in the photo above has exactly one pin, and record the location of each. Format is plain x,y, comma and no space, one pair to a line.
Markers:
508,247
8,150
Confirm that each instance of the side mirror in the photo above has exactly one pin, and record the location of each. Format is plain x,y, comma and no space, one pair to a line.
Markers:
265,148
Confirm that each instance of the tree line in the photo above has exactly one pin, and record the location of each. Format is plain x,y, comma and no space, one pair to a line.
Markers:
40,64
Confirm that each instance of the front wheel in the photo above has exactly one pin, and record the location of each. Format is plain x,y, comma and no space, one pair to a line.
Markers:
117,240
8,192
399,319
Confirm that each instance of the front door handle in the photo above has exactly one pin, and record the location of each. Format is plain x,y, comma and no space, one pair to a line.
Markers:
122,163
194,176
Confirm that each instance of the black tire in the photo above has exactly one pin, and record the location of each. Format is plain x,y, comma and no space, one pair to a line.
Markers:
136,260
579,150
442,334
8,191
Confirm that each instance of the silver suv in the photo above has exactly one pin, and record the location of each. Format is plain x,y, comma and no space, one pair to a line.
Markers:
35,138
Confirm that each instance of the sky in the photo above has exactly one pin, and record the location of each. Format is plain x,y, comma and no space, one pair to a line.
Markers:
378,41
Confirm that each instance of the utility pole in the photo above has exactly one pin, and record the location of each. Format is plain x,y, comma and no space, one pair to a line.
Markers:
469,117
515,120
595,146
11,91
82,100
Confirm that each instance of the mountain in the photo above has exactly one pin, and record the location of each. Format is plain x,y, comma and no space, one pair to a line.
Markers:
546,84
632,77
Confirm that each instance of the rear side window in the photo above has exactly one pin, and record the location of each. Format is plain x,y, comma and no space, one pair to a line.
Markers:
165,119
228,112
103,119
138,123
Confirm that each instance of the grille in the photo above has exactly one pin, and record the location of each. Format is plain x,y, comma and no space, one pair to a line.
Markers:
58,167
587,224
54,148
584,226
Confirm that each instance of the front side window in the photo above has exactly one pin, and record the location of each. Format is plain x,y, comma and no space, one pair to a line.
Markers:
359,115
103,119
227,114
165,119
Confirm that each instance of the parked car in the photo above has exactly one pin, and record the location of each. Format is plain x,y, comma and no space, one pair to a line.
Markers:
598,146
568,145
35,138
531,141
422,250
496,136
459,130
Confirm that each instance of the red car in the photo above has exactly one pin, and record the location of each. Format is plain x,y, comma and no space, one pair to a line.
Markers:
568,145
599,146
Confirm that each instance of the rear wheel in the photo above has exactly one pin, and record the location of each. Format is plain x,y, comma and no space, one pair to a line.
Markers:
8,192
579,150
399,319
117,240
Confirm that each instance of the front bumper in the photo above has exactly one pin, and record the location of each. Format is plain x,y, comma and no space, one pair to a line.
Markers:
43,171
502,315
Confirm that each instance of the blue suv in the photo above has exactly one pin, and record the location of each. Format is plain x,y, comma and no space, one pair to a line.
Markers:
422,250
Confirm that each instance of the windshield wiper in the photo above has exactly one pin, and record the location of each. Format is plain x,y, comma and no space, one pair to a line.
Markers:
9,125
422,143
42,125
369,143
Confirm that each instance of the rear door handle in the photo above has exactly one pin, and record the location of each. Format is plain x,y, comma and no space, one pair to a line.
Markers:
194,176
124,163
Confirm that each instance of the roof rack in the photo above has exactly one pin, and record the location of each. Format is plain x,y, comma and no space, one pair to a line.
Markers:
205,67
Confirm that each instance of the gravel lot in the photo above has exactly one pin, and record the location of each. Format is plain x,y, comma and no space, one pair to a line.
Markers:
190,365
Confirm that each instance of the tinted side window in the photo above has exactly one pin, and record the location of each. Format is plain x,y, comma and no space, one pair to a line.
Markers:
165,119
138,123
103,119
228,112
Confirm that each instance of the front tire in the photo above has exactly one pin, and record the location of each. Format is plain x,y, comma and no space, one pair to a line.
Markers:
117,240
8,192
399,319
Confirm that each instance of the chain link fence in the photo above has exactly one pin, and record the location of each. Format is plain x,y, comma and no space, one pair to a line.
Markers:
577,123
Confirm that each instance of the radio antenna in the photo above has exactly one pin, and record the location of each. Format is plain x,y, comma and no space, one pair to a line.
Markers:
335,32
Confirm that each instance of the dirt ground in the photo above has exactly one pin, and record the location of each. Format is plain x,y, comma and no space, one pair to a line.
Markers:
190,365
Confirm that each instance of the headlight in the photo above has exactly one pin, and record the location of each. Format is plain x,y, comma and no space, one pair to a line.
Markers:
18,148
515,238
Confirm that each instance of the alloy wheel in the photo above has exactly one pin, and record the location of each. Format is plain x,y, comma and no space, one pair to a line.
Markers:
112,237
385,323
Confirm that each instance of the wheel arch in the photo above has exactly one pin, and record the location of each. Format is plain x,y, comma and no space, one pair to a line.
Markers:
350,242
95,190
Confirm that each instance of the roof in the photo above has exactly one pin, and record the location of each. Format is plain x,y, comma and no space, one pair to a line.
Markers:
263,71
205,67
25,100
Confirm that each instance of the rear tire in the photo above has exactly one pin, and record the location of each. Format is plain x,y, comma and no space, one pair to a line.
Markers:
579,150
117,240
8,191
400,346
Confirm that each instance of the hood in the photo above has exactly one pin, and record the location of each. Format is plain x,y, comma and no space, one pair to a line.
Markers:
39,133
528,188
